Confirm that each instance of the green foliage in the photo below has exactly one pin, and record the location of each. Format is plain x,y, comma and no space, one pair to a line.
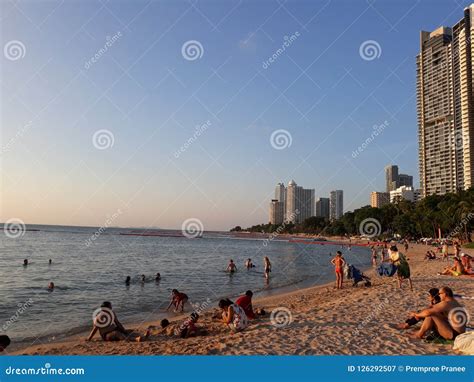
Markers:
452,213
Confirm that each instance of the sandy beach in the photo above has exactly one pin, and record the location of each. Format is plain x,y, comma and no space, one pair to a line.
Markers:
322,320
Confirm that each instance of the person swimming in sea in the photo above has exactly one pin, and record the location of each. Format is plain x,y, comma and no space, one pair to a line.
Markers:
127,280
231,268
158,277
50,261
51,286
143,279
249,264
25,262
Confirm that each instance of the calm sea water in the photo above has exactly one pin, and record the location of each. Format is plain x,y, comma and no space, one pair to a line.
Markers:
85,275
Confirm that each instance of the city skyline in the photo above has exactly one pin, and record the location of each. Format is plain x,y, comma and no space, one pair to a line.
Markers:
105,109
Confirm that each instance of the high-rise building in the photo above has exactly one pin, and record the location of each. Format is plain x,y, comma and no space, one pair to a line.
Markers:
277,212
322,207
402,192
391,177
445,108
299,204
336,206
379,199
405,180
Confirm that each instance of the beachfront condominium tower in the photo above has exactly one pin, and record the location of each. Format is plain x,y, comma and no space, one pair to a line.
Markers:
391,177
280,194
445,108
379,199
322,208
277,212
300,203
336,205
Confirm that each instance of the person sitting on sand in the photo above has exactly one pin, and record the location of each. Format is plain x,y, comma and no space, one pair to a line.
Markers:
456,270
189,329
127,280
430,255
178,299
158,277
231,268
245,302
108,325
466,262
233,315
248,264
338,262
4,342
433,297
403,268
446,319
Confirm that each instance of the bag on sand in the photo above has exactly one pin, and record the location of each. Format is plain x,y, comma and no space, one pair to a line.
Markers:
465,343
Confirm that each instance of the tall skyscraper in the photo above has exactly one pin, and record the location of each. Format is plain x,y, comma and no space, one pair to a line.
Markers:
300,203
336,205
277,212
445,108
322,207
391,177
379,199
405,180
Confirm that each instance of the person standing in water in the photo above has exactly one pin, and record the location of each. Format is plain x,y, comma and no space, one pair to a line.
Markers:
248,264
231,268
338,263
267,267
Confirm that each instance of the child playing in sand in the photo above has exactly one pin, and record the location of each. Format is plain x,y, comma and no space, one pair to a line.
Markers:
178,299
338,263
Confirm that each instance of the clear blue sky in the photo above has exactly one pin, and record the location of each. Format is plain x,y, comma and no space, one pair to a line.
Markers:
151,99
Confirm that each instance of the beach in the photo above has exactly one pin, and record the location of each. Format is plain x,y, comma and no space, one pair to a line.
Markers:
317,320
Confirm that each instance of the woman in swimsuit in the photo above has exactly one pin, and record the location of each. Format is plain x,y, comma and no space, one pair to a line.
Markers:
233,315
338,263
178,299
267,266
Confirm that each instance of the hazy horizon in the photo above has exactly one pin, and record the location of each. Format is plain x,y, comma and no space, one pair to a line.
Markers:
169,111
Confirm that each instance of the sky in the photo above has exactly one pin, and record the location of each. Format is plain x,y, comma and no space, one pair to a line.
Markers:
151,113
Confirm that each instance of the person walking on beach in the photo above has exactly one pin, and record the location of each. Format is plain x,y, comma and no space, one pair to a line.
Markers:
447,319
231,268
403,268
267,267
178,299
338,263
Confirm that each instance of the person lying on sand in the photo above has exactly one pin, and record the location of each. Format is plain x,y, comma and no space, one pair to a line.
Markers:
108,325
4,342
447,319
233,315
178,300
456,270
245,302
433,298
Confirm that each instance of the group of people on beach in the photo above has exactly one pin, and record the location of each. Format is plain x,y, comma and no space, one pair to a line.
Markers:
235,315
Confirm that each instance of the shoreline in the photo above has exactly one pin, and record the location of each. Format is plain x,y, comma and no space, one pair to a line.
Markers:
322,320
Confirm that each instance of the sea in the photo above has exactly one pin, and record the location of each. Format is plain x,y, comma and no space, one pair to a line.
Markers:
89,265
